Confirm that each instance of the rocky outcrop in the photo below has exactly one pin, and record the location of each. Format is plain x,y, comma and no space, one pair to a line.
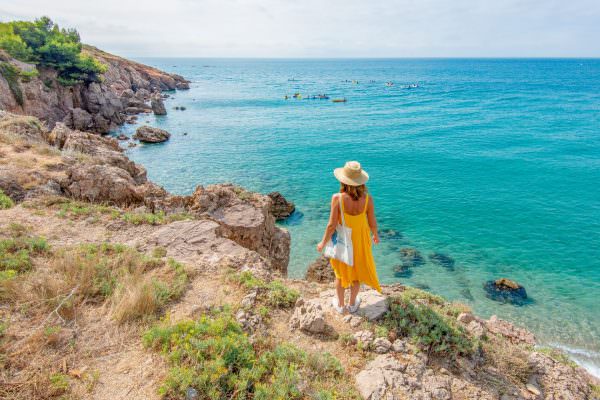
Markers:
158,107
280,207
149,134
96,107
504,290
245,218
101,183
320,271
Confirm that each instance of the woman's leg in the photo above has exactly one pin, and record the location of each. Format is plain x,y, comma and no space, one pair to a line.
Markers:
340,291
354,292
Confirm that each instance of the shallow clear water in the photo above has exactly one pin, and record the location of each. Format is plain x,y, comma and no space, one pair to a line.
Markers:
495,163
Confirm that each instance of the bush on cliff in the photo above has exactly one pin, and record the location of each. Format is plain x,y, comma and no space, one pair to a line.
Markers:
42,42
215,358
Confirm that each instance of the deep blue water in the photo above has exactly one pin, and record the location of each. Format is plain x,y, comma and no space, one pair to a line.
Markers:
494,162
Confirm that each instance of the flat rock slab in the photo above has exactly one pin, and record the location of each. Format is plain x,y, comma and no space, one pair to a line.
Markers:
373,304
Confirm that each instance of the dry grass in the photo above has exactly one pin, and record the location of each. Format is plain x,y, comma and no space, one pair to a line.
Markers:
510,360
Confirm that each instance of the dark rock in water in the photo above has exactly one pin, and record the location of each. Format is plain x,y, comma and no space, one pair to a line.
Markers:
280,207
150,134
122,137
506,291
320,271
294,219
402,271
390,234
443,260
466,293
411,257
422,286
184,133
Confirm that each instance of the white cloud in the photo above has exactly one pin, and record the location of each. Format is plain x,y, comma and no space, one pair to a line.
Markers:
333,28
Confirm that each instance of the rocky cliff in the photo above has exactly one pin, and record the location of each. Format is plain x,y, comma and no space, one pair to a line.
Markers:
127,88
93,257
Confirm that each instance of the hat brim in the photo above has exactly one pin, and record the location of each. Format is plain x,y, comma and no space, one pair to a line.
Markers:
342,177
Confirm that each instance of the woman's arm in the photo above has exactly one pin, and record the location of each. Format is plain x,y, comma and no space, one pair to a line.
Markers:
372,220
332,224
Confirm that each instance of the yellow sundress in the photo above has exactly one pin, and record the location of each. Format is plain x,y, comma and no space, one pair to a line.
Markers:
363,270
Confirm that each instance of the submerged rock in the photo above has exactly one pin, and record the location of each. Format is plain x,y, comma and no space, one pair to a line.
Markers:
280,207
442,259
506,291
150,134
390,234
320,271
411,257
402,271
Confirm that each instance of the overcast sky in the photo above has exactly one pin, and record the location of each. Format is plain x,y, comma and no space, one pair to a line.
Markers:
327,28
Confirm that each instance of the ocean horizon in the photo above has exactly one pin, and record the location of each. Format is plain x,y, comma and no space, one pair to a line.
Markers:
493,162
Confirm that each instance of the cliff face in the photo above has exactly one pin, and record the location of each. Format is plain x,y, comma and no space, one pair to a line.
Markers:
98,107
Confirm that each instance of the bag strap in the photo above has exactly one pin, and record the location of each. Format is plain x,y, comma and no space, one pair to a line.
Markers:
341,201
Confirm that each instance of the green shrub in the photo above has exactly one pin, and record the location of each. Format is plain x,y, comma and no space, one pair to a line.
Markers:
158,218
16,252
11,74
44,43
428,329
5,201
214,356
273,293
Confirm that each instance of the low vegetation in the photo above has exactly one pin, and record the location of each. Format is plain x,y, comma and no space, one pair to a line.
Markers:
427,327
44,43
274,293
5,201
214,358
18,249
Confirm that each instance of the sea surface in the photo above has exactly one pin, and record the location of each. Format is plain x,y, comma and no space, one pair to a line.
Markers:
493,162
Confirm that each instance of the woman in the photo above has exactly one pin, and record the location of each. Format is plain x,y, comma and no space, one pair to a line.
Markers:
359,215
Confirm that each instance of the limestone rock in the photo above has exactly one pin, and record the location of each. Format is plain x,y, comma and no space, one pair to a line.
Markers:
249,299
309,317
559,381
280,207
320,271
150,134
399,346
365,337
381,374
381,345
158,107
373,305
101,183
249,321
511,332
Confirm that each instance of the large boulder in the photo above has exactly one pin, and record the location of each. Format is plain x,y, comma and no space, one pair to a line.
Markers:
505,290
280,207
245,217
320,271
101,183
150,134
158,107
79,119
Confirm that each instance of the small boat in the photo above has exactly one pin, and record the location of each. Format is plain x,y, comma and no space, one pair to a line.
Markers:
339,100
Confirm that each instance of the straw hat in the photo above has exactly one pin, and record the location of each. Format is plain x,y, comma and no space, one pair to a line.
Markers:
351,174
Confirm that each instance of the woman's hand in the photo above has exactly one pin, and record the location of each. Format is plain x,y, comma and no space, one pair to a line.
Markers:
320,246
376,238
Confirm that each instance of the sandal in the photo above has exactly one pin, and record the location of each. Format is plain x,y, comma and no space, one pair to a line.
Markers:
353,309
336,306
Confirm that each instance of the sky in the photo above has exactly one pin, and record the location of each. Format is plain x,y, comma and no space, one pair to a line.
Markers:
327,28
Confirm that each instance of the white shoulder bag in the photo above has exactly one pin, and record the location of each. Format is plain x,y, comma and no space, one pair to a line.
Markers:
339,247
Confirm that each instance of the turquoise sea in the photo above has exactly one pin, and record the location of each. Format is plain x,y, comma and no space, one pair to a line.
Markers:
494,162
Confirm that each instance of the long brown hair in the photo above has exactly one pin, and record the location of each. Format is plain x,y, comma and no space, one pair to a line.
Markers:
356,192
